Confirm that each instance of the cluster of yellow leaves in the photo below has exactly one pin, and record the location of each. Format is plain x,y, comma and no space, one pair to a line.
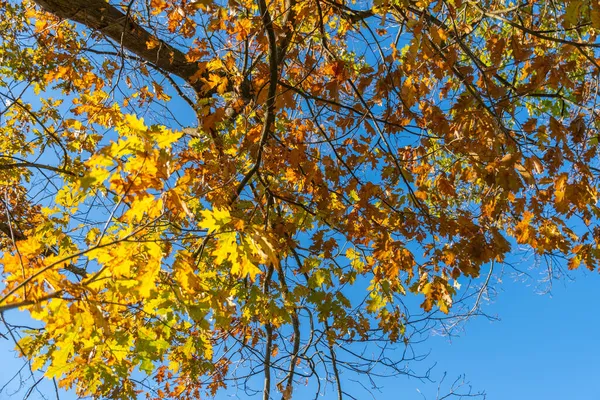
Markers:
243,247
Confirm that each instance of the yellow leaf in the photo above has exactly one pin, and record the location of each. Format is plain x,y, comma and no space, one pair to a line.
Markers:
246,267
61,356
132,123
139,207
152,43
165,137
214,219
265,246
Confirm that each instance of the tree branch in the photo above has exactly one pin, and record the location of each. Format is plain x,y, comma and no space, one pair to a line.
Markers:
114,24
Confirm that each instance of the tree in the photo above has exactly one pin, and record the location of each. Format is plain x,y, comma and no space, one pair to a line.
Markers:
198,192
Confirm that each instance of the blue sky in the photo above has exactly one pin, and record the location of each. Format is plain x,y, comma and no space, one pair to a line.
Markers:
543,346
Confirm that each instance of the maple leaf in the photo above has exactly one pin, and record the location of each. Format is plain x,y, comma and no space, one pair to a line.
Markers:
213,220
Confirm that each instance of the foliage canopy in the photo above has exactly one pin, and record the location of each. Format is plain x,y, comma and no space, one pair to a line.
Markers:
195,192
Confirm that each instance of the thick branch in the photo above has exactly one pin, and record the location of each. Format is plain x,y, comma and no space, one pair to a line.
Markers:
11,233
116,25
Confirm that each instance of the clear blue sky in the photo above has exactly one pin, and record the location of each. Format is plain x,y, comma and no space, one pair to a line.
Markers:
544,347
